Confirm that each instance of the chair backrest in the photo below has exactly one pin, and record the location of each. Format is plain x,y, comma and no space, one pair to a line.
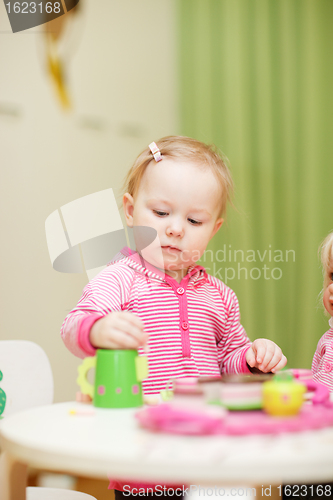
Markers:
27,379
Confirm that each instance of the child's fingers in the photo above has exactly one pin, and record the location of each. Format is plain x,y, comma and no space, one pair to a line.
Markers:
138,331
268,356
129,342
281,364
118,339
130,325
273,357
122,323
118,330
260,347
250,357
132,318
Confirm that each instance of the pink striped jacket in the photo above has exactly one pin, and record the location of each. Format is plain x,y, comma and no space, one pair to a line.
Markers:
322,363
194,326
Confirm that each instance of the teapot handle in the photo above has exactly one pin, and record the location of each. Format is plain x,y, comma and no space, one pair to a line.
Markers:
141,367
83,369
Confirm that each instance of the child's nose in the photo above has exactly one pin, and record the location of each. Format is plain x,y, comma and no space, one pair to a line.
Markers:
175,228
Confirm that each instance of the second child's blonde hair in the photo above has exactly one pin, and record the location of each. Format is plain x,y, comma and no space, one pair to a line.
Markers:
184,149
326,253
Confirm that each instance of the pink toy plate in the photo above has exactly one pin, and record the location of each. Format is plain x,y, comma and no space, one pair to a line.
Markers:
165,418
202,420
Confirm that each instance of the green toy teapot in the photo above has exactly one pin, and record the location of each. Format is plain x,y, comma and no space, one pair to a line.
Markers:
118,377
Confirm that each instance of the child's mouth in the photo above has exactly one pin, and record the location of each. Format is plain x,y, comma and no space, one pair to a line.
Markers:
171,249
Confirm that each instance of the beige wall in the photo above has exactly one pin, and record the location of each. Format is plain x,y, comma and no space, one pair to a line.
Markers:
122,78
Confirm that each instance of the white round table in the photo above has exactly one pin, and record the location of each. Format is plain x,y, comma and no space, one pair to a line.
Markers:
110,444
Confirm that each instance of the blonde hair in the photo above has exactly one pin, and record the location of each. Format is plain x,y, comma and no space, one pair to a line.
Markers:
326,254
184,148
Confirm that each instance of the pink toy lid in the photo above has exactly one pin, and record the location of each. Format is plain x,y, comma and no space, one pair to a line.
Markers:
186,386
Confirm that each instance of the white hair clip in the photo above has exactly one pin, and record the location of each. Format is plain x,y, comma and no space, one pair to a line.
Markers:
156,152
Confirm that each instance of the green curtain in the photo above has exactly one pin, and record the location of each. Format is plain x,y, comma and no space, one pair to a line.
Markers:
256,79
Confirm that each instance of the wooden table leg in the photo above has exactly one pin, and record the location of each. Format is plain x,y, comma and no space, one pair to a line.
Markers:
13,478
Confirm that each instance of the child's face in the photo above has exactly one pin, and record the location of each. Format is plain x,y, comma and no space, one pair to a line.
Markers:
182,202
328,292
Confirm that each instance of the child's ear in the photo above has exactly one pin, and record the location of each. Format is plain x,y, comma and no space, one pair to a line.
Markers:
128,204
217,226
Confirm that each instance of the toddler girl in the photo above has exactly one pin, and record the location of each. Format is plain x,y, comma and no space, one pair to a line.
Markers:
159,299
322,364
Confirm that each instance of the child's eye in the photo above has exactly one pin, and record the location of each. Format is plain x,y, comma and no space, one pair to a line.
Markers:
195,222
160,213
331,276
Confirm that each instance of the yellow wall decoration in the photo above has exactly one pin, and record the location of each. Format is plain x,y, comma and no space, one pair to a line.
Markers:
55,62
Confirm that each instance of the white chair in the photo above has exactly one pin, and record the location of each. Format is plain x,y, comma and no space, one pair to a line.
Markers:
26,381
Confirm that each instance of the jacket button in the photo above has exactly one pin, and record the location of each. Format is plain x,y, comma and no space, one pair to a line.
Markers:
328,367
184,325
180,290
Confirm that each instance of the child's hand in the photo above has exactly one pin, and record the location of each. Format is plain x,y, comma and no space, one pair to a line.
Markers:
266,356
118,330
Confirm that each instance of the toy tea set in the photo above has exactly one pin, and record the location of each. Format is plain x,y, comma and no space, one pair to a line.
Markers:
118,377
241,404
231,404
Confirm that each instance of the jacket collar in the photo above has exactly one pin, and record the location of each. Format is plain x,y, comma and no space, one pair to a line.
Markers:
195,274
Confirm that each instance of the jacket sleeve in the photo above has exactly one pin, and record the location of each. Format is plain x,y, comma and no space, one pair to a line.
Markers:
104,294
234,342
